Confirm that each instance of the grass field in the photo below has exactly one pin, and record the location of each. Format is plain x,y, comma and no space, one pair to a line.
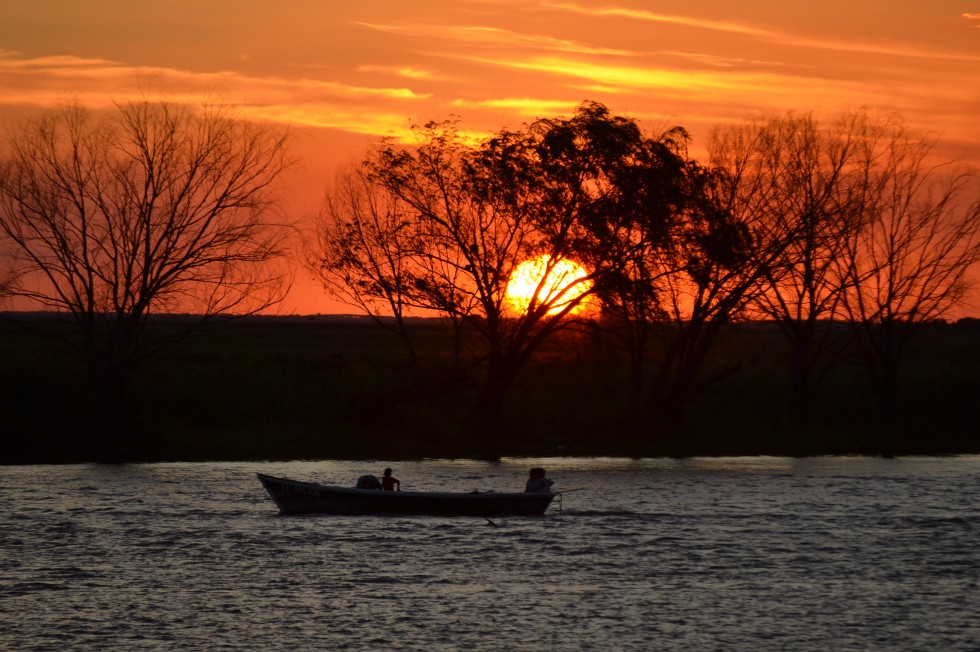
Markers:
336,387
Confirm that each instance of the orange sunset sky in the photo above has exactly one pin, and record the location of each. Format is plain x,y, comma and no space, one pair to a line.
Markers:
342,74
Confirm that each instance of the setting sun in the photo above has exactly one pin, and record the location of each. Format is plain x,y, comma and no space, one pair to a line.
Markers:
565,282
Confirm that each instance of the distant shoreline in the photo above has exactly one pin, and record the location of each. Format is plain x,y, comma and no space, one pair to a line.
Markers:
337,387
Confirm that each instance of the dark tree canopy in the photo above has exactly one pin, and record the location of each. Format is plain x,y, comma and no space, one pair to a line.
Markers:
459,219
789,218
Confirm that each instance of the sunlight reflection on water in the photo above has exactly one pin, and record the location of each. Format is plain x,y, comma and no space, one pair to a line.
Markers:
731,553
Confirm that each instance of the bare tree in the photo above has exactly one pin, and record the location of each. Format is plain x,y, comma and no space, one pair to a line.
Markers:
6,284
363,251
919,238
795,175
154,208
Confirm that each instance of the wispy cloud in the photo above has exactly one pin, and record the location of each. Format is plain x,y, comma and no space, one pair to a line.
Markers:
525,106
642,14
733,91
973,17
58,68
14,61
764,33
402,71
46,81
909,52
329,116
496,37
718,61
625,76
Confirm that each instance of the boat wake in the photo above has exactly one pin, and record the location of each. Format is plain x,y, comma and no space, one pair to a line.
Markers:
601,512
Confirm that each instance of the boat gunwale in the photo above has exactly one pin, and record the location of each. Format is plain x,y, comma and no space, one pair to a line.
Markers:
406,494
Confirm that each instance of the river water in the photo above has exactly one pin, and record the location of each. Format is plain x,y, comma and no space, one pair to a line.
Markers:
696,554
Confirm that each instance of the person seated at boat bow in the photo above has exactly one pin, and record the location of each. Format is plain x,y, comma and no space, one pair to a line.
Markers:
537,482
388,482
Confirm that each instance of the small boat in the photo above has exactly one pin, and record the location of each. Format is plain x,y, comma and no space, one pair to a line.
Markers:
294,497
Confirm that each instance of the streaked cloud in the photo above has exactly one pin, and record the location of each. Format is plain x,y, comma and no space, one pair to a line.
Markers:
973,17
871,48
719,61
641,14
329,116
45,81
767,34
402,71
14,61
525,106
495,61
664,82
638,77
495,36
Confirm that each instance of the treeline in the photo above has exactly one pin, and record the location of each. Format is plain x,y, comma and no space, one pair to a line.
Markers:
333,387
847,234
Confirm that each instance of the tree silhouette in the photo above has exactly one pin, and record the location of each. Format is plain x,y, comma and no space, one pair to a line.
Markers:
711,272
877,234
797,177
660,195
6,284
154,208
481,212
919,238
476,212
364,251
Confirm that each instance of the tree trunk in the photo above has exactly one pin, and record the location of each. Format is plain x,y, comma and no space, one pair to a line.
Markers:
113,427
800,385
888,392
501,372
490,406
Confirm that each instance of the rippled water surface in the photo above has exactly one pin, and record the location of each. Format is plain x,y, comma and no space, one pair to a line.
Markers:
698,554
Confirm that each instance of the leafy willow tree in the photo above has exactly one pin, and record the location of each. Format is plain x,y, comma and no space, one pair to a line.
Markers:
153,208
663,204
481,212
475,213
710,273
638,188
688,262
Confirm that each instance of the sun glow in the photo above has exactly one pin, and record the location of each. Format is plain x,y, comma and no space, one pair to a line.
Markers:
566,281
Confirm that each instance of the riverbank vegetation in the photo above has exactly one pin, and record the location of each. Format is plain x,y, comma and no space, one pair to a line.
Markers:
588,288
343,387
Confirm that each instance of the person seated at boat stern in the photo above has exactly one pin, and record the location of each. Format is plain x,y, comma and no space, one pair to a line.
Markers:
388,482
536,481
